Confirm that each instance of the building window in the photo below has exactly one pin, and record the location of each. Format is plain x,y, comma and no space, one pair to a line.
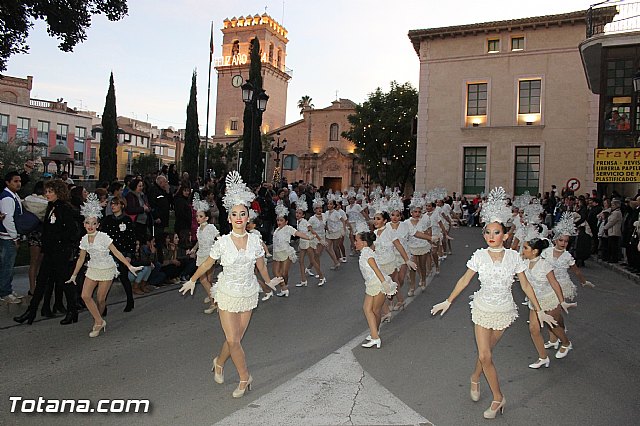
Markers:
527,176
476,100
618,98
475,170
235,48
4,128
43,136
279,59
493,45
333,132
22,132
61,134
78,145
234,125
517,43
271,53
529,96
92,154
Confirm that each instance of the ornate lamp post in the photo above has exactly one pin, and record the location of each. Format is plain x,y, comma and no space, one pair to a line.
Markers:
277,148
256,100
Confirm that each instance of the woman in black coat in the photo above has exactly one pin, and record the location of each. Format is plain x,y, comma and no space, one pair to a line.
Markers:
183,211
59,239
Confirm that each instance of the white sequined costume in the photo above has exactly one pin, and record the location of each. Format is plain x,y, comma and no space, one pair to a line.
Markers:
561,265
417,246
373,285
237,287
282,250
492,306
401,233
205,237
335,227
303,226
537,277
101,266
385,251
318,224
356,219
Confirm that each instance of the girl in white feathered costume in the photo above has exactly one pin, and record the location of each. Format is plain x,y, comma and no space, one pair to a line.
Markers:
283,254
493,308
307,247
377,286
206,234
419,248
399,231
101,268
237,289
562,261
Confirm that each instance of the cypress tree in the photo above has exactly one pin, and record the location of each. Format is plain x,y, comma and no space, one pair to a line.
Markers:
109,141
192,134
252,166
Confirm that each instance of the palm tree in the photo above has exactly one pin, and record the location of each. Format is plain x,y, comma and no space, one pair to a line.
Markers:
304,103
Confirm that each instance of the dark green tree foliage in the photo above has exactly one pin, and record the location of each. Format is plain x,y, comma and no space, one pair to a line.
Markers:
383,127
252,165
66,20
192,134
144,164
109,141
219,157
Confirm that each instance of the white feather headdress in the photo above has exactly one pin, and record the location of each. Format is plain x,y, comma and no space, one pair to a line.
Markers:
495,208
379,204
301,204
522,201
395,203
91,207
317,200
533,211
417,200
198,204
253,215
565,226
360,195
281,209
531,233
236,192
351,193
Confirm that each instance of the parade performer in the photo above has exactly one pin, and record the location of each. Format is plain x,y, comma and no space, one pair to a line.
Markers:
336,223
237,289
357,216
419,248
206,235
283,254
319,224
307,247
492,308
399,232
101,268
377,287
540,275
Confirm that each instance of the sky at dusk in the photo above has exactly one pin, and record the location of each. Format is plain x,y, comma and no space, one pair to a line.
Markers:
348,46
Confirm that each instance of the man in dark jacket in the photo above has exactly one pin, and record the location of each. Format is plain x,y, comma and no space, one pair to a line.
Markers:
595,207
158,196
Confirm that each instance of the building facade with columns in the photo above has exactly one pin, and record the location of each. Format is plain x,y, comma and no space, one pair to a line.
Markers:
505,104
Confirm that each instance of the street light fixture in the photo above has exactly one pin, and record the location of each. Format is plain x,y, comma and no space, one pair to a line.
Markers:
277,148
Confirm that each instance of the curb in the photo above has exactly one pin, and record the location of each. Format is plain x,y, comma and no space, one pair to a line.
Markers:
635,278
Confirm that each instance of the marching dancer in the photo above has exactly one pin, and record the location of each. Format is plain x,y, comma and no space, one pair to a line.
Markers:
493,308
319,224
377,287
206,234
399,232
336,224
419,248
237,290
101,268
307,247
357,216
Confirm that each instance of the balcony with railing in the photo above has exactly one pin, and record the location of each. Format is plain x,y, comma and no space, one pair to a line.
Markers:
613,16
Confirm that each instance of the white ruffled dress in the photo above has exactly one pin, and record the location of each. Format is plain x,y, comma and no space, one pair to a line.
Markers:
205,237
385,251
282,250
401,233
373,285
101,266
303,226
537,277
492,306
417,246
318,224
561,265
237,287
335,227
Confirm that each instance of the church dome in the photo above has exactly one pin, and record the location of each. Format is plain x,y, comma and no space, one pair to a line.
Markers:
60,151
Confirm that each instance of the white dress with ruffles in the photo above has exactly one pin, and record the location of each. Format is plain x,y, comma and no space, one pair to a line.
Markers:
537,277
561,265
385,251
303,226
335,227
237,287
373,285
356,219
401,233
417,246
318,224
205,237
492,306
282,250
101,266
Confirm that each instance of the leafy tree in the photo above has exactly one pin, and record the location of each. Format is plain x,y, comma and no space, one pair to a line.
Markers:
192,134
252,164
12,157
66,20
219,157
383,127
144,164
109,140
304,103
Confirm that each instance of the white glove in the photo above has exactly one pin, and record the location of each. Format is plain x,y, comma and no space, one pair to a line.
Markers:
565,306
442,306
411,264
588,284
274,282
189,286
71,280
134,269
544,317
389,287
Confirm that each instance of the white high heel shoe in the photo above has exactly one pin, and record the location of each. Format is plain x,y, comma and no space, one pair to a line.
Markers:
267,296
560,355
539,363
490,413
239,392
550,344
475,394
95,331
371,343
219,378
322,282
211,309
301,284
309,271
283,293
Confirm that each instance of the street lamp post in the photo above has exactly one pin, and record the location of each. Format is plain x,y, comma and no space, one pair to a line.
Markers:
277,148
256,100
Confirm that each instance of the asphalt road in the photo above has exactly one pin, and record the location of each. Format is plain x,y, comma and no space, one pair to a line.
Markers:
162,351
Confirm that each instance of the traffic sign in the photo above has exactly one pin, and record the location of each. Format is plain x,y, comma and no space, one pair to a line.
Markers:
573,184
